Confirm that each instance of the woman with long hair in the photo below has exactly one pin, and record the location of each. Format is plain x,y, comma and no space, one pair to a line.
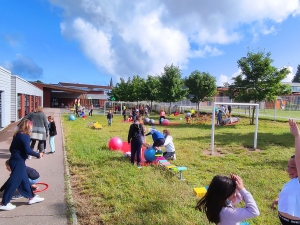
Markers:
19,149
223,193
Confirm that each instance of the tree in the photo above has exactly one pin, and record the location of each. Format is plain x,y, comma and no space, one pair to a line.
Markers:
135,89
201,87
171,85
258,80
120,91
296,78
151,89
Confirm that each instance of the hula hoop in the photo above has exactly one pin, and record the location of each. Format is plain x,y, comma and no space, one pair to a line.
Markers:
46,186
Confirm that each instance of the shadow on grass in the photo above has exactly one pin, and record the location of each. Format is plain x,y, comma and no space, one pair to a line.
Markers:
275,164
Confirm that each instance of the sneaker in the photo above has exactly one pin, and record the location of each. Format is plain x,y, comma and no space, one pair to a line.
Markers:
45,151
7,207
29,157
16,197
51,152
174,157
35,199
139,167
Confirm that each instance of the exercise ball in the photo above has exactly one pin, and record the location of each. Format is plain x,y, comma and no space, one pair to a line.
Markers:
115,143
151,121
165,122
72,117
146,120
149,155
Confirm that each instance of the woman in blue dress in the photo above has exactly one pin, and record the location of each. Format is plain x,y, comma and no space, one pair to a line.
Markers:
19,149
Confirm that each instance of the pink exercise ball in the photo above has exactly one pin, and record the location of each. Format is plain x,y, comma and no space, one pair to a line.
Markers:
115,143
165,122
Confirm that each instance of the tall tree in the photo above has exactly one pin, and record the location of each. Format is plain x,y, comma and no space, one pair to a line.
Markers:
171,85
151,89
258,80
296,78
120,91
201,87
135,89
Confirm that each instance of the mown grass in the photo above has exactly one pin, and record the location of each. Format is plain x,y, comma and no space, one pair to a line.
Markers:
108,190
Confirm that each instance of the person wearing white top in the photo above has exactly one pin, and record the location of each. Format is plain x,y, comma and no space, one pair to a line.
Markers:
170,148
289,197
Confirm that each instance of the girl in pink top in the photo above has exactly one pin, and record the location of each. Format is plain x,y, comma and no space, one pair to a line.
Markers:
223,193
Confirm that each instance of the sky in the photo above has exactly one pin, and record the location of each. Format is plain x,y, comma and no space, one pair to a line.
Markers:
92,41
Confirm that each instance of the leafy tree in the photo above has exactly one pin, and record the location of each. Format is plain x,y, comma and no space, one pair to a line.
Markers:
258,80
120,91
135,89
151,89
296,78
171,85
201,87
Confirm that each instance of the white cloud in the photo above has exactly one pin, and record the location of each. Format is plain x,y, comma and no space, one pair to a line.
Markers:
128,38
224,78
290,76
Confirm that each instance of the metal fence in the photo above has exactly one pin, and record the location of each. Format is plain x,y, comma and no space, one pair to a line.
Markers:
284,107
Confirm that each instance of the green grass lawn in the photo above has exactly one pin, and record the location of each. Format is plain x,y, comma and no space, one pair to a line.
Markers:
107,189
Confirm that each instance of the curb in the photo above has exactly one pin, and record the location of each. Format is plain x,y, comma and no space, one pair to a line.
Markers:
70,201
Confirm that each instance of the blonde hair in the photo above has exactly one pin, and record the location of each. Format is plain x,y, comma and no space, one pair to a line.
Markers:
39,109
24,127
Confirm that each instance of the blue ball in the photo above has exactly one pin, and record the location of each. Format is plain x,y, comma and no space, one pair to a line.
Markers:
72,117
149,154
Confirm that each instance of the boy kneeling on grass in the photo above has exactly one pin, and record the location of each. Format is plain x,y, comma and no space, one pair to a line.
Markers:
33,177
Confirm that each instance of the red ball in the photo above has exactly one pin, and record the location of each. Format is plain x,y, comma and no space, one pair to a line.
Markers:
115,143
165,122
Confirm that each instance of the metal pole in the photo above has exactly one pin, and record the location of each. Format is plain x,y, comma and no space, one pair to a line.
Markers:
256,127
213,131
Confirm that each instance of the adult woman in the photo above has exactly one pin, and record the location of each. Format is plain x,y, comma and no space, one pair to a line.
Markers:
223,193
136,139
19,149
40,129
289,197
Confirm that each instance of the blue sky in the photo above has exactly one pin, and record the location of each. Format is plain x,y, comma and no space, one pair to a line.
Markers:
91,41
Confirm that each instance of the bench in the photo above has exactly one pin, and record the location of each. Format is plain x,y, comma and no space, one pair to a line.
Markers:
170,167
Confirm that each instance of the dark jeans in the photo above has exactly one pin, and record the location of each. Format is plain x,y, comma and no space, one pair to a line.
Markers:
168,155
135,147
158,142
41,145
91,112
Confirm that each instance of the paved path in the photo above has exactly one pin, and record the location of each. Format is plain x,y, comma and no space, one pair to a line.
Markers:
52,211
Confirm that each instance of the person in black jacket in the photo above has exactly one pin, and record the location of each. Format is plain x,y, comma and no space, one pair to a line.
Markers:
135,139
33,177
52,134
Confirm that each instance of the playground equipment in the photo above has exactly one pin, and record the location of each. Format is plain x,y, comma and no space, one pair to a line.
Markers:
72,117
97,126
165,122
115,143
149,154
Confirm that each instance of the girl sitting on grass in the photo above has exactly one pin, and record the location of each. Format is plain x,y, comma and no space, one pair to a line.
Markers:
223,193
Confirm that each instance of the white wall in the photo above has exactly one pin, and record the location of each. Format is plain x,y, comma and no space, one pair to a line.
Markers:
21,86
5,85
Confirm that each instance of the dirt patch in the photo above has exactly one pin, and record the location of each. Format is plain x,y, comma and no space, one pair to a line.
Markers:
217,152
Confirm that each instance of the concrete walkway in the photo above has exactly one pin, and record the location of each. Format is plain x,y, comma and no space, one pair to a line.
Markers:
52,210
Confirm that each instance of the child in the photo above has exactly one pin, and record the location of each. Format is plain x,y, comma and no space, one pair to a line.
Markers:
52,134
188,117
170,148
289,197
109,117
124,115
158,138
91,110
136,139
220,198
33,177
219,115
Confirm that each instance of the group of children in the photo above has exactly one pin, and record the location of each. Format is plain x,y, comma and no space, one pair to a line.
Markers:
136,139
225,192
